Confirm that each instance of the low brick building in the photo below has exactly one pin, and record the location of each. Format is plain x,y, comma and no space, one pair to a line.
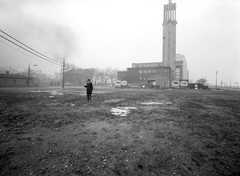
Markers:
11,80
76,77
149,76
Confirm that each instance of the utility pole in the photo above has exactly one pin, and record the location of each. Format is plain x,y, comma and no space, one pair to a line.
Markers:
63,72
216,78
29,75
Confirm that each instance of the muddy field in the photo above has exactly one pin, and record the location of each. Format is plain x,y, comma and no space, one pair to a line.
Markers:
120,132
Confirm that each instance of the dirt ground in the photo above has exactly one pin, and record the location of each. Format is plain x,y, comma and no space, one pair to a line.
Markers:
119,132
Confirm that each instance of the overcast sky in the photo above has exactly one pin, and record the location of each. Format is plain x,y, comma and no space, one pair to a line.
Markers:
117,33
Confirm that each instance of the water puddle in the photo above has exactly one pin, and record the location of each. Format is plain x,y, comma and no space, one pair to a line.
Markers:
56,92
122,111
52,92
38,91
63,92
152,103
113,100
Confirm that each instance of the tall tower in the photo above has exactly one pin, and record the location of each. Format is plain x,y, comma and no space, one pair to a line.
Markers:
169,36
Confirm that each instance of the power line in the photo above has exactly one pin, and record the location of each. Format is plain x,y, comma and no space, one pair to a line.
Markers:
21,51
54,62
48,58
29,47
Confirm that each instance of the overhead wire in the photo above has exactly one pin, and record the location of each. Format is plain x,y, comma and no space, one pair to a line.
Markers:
21,51
30,51
42,55
30,47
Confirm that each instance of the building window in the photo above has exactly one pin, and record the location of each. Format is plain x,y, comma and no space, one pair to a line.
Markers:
144,78
26,81
140,71
140,78
14,81
145,71
149,71
153,71
4,81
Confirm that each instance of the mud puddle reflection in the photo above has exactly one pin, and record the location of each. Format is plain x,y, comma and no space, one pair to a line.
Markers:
122,111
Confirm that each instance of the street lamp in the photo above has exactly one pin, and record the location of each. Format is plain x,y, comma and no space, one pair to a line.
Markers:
216,78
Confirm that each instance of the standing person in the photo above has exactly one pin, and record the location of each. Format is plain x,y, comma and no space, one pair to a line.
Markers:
89,87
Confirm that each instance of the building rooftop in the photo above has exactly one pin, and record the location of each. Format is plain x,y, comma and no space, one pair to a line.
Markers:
77,71
149,63
14,76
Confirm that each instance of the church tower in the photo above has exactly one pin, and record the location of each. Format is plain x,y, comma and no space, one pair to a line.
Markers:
169,36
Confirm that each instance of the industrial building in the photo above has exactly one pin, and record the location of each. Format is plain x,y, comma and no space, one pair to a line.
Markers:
148,76
173,66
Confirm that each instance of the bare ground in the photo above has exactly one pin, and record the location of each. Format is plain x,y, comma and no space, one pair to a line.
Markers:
187,132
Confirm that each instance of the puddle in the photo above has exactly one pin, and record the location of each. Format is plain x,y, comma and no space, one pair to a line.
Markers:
152,103
52,92
98,92
56,92
38,91
62,92
113,101
122,111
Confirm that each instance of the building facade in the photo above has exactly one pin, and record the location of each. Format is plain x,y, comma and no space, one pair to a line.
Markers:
181,68
77,76
149,76
150,64
15,80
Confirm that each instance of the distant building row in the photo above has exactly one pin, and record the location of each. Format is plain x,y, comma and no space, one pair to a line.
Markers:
72,77
154,74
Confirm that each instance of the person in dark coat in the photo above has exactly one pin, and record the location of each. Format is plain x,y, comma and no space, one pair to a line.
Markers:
89,87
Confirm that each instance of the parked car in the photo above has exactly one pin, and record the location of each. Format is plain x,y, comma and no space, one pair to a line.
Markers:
118,84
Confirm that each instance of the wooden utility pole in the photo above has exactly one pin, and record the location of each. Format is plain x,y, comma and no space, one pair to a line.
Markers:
63,72
29,75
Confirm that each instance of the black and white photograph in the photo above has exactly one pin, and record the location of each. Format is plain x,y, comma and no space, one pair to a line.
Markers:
119,87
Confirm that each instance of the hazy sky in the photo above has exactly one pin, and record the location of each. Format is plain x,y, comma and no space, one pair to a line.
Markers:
117,33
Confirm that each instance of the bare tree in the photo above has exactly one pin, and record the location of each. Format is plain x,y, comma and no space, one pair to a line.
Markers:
111,74
96,74
70,66
202,80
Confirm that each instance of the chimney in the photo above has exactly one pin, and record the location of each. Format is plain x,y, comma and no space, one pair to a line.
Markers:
7,72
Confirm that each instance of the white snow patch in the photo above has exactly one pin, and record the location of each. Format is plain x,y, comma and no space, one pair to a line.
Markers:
122,111
113,101
152,103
